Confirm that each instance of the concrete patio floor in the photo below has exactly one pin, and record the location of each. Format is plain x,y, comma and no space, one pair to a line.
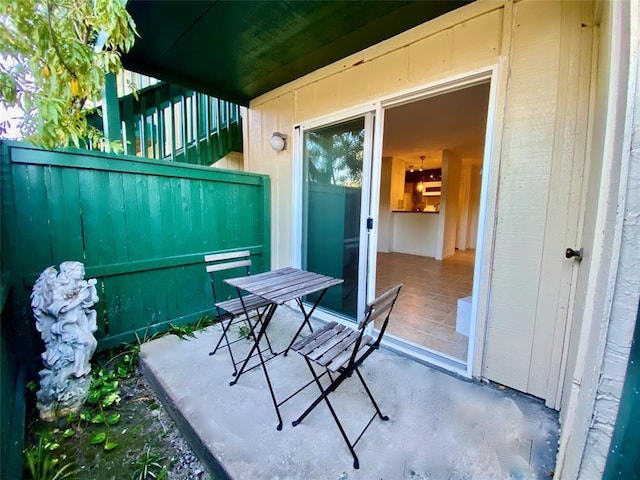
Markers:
440,427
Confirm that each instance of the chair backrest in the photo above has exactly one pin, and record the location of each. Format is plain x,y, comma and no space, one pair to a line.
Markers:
219,262
380,307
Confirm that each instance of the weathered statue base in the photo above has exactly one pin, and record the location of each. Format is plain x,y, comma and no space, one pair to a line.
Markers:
68,402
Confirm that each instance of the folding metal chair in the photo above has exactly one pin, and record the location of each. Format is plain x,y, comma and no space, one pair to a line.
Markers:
235,311
340,351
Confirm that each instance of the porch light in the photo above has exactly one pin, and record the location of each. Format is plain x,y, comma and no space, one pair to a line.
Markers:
278,141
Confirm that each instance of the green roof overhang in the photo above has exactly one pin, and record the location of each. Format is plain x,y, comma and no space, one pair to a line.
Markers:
239,50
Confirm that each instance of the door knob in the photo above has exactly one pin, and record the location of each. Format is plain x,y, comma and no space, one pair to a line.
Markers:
571,253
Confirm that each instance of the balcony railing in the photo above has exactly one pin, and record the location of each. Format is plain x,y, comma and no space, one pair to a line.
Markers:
169,122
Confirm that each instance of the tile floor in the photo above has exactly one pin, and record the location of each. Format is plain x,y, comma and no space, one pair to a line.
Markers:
426,310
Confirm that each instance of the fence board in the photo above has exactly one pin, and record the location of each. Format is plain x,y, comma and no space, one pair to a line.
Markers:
117,221
141,227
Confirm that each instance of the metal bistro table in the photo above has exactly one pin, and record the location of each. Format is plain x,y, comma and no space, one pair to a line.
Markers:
280,286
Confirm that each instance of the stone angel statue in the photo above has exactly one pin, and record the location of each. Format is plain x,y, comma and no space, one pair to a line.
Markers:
61,304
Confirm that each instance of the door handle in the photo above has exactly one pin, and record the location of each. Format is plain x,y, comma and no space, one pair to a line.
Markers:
571,253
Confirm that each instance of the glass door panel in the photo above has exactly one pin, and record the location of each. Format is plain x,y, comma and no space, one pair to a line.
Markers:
333,159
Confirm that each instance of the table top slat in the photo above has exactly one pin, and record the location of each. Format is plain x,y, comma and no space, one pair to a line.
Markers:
301,289
280,286
274,285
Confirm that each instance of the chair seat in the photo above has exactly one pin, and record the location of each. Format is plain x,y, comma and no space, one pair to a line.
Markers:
234,306
331,346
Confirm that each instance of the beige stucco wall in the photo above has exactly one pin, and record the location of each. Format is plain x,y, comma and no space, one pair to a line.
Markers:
433,51
550,114
543,50
609,284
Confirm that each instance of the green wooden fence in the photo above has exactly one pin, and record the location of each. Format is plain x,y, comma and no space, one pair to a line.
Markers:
12,398
623,461
141,227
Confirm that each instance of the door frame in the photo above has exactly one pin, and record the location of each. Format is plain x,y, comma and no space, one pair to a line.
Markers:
495,73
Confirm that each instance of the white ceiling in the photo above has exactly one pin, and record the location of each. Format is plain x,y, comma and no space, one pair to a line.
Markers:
453,121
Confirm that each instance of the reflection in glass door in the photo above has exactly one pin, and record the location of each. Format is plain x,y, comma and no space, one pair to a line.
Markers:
333,160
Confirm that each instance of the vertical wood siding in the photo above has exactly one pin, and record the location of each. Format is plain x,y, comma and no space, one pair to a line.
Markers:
140,227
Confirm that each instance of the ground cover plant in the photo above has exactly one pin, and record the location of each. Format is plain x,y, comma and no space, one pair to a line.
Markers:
122,432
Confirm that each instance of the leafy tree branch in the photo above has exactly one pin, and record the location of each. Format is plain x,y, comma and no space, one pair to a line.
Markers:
54,55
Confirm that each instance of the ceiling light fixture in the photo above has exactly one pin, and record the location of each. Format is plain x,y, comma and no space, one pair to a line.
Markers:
420,185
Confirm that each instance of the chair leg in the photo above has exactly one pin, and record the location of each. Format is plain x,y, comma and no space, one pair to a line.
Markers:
382,417
225,329
226,325
356,462
324,395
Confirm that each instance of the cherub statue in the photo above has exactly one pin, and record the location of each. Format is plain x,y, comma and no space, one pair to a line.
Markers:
61,305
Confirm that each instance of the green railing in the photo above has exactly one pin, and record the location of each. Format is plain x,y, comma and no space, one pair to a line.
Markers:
169,122
126,79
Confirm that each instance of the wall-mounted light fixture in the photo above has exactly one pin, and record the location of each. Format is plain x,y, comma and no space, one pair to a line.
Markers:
278,141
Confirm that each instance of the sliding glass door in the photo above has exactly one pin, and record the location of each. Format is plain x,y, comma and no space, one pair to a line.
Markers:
336,166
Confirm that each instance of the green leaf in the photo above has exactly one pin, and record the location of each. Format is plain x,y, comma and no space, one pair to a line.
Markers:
110,399
98,438
109,386
99,418
110,446
113,418
93,397
69,432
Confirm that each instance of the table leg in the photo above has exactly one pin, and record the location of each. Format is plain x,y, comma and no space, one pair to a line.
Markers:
272,309
307,316
256,342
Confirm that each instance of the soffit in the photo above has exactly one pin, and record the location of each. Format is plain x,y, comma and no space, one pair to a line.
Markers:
239,50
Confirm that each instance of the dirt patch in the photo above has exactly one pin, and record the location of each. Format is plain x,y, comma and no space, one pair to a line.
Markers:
145,436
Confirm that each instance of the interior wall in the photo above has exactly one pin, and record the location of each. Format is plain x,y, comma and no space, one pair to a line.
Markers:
475,187
384,217
463,206
448,216
540,47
